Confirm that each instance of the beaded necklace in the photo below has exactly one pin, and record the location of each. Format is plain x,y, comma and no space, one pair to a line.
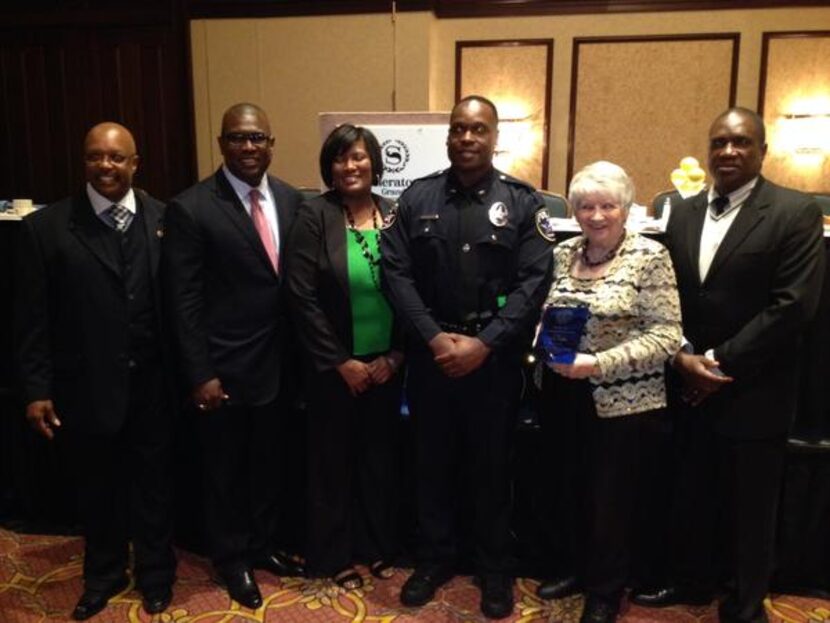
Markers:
610,255
373,261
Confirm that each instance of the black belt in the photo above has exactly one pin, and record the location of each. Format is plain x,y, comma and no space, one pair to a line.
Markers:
471,327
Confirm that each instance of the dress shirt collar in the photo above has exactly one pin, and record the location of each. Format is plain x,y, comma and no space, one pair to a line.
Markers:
736,198
101,204
243,189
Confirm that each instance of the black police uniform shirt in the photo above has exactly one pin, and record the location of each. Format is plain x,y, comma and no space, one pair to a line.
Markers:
468,257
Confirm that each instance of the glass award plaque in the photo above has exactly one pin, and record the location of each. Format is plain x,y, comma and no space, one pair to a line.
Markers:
561,331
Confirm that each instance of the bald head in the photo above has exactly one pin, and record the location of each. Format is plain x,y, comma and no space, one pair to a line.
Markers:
112,129
110,160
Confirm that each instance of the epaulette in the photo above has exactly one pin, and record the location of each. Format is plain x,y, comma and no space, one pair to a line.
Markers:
430,176
416,183
513,181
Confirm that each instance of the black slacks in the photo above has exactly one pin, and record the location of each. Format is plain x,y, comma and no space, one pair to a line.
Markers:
241,465
598,472
725,512
352,480
124,490
463,434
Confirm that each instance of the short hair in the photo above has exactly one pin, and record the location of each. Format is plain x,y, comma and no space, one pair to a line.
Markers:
340,140
601,177
243,108
481,99
750,114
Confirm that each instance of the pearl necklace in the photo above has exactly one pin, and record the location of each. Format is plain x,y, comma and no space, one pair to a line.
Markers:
610,255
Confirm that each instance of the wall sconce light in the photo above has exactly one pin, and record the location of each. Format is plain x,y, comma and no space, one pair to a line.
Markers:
805,136
515,74
520,136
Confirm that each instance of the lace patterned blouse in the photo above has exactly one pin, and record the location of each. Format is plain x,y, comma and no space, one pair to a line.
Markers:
634,325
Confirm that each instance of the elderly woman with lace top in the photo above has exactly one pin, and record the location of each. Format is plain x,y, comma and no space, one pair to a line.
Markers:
603,410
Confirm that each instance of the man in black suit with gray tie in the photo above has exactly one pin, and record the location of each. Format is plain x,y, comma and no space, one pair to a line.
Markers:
224,287
749,258
91,359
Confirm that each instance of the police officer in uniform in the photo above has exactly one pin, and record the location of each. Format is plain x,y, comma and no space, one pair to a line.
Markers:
467,264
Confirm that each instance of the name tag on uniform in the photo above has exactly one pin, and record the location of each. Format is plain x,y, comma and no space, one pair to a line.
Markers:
428,217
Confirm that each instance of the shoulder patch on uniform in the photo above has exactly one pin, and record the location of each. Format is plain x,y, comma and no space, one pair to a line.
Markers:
390,217
544,225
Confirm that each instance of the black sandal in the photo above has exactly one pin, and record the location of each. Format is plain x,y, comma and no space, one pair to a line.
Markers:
348,579
382,570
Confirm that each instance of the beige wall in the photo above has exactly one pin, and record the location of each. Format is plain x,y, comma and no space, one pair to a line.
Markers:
296,68
301,66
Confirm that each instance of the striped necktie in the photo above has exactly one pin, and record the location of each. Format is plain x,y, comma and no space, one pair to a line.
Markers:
121,217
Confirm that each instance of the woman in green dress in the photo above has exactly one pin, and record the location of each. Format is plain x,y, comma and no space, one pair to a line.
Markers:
347,330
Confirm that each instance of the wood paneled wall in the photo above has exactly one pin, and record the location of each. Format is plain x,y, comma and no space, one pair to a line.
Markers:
646,121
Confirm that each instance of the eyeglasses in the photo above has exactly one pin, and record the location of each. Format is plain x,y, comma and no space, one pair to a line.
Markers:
240,138
97,158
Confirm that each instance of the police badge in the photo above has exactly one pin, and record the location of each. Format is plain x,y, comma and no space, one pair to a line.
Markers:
498,214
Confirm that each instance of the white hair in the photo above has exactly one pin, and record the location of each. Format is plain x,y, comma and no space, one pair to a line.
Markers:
601,177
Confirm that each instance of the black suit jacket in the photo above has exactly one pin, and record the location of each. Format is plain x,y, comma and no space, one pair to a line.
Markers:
761,290
318,281
71,312
223,297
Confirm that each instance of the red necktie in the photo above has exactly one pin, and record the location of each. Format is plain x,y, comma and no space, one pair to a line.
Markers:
264,231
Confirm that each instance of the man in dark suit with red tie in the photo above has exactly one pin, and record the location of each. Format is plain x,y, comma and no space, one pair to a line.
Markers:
90,353
749,258
223,280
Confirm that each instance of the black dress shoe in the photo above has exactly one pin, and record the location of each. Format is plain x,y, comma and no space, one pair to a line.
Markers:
496,595
559,588
93,601
670,596
156,599
242,588
598,610
280,564
420,587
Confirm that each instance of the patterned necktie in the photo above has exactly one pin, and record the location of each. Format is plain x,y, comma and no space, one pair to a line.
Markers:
264,231
121,216
719,204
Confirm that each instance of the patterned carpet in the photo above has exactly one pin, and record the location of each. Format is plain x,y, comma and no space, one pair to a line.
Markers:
40,580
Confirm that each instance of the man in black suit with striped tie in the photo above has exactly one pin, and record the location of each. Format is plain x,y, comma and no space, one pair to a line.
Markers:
91,361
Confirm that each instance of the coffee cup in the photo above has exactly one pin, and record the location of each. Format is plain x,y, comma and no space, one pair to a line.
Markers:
22,206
